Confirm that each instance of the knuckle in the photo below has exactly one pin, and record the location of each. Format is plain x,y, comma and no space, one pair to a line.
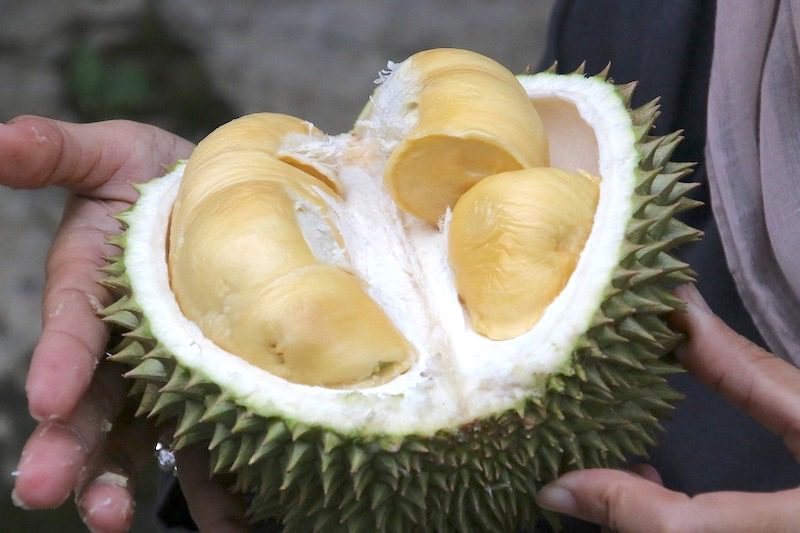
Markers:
674,524
63,299
684,516
613,507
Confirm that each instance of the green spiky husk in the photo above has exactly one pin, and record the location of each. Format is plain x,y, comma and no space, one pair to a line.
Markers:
479,477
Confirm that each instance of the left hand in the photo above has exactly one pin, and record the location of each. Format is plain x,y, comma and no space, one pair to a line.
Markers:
764,386
86,442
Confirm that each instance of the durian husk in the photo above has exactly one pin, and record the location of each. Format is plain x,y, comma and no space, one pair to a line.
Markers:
478,477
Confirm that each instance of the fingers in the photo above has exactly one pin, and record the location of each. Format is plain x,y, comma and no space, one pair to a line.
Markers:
105,498
80,455
213,506
107,505
58,451
73,337
751,378
625,502
647,472
92,159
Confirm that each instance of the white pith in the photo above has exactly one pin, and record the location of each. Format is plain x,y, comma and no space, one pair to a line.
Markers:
459,376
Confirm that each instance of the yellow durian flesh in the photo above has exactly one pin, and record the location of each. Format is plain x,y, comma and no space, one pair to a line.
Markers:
260,132
236,254
514,241
319,327
474,120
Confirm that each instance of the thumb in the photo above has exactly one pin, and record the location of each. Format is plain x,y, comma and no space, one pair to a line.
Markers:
613,498
625,502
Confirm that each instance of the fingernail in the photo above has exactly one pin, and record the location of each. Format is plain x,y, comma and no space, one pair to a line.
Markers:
112,478
694,298
36,415
19,118
15,499
556,498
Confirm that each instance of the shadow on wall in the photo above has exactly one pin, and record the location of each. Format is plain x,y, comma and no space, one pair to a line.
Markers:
150,77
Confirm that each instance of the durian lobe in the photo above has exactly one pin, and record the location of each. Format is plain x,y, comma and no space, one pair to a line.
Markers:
321,328
239,259
514,241
460,136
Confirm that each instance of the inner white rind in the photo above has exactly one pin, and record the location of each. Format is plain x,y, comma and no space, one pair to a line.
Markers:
459,376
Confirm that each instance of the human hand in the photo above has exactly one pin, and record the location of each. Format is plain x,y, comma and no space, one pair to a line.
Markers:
75,399
766,387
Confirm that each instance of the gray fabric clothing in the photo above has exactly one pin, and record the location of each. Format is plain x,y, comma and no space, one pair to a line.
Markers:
753,160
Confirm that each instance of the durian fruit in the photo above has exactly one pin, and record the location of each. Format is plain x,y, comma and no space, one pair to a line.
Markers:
416,324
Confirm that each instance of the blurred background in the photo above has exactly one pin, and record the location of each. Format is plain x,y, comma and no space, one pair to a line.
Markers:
188,66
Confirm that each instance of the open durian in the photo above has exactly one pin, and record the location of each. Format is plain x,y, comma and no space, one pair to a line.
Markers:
416,324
